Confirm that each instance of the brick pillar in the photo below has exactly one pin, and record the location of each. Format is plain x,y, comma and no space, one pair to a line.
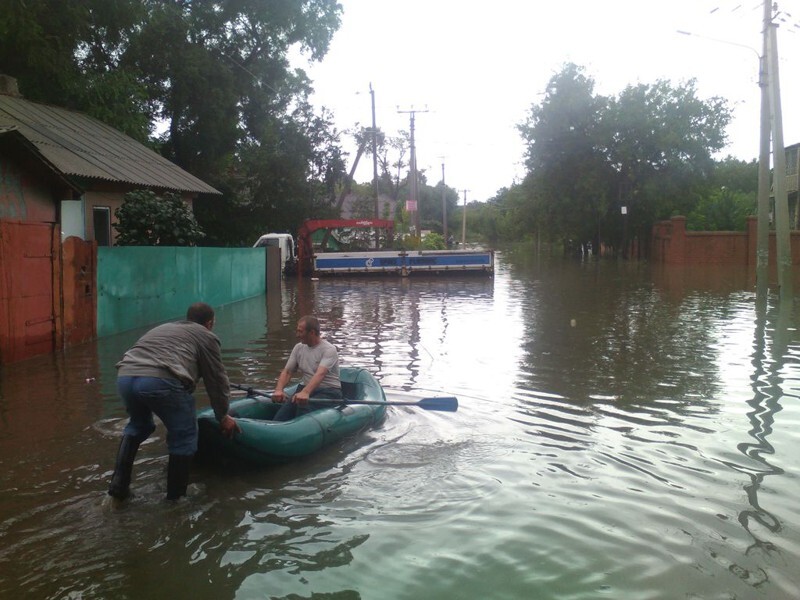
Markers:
752,239
677,247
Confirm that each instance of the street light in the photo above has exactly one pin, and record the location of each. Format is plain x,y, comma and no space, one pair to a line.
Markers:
713,39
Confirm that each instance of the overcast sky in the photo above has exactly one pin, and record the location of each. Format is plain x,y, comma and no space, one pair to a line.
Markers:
478,67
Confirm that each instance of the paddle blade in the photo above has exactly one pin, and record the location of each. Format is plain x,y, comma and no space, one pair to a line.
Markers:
446,403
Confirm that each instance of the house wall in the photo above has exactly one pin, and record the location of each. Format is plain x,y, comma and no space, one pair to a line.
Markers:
24,195
110,196
672,244
106,198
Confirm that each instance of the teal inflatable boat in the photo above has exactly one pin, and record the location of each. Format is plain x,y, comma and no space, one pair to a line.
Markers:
263,441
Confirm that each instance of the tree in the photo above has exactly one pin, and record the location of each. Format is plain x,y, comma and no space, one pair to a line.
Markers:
392,163
68,54
649,150
238,115
660,142
722,210
735,174
568,172
729,197
145,219
214,77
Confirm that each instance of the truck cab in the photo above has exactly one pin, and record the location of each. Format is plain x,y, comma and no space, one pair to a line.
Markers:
285,242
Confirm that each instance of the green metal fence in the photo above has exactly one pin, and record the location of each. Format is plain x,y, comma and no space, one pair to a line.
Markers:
139,286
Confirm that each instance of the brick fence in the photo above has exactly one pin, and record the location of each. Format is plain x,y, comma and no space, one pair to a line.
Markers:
672,244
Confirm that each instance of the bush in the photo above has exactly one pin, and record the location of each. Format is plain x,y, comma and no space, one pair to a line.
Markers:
722,210
433,241
145,219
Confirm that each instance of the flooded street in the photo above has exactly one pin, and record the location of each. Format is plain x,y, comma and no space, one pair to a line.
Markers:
624,431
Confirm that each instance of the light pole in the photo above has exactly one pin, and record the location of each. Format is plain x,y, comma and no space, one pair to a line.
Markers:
444,205
375,164
464,222
782,239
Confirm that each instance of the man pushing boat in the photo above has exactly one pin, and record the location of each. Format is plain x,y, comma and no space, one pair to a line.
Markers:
157,375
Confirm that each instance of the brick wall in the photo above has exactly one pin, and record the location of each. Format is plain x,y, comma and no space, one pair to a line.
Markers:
672,244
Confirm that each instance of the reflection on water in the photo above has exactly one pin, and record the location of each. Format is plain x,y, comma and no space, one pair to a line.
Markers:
624,431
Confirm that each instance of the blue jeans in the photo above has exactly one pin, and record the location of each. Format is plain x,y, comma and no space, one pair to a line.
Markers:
167,398
290,410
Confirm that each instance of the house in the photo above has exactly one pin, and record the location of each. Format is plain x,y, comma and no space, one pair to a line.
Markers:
62,176
98,164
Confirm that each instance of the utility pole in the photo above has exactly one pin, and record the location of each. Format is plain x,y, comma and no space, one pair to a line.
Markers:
375,165
444,205
414,184
771,130
762,212
464,222
782,242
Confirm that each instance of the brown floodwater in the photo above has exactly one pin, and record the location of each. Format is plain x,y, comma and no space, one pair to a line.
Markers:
624,431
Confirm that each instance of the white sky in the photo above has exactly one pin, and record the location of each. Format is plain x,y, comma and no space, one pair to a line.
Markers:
478,67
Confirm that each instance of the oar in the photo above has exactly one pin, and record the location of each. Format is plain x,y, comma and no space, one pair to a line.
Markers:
444,403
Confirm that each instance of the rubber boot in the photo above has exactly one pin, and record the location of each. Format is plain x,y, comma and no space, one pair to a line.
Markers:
178,475
121,480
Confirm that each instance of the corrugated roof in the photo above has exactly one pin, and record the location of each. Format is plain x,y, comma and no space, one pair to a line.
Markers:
79,145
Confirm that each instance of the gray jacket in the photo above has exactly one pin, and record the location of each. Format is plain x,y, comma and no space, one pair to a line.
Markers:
185,351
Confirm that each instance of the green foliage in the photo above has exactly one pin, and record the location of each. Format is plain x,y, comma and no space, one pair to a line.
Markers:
569,178
215,78
662,141
407,242
363,207
145,219
736,175
722,210
69,54
433,241
649,149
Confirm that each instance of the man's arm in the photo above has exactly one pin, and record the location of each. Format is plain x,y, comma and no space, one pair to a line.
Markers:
302,396
278,395
217,385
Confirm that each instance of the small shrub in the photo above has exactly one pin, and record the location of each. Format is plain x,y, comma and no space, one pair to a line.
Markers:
146,219
433,241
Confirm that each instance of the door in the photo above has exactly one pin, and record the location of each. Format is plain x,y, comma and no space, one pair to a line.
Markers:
27,320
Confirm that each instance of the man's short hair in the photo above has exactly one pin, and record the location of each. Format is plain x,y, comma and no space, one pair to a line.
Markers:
311,323
200,312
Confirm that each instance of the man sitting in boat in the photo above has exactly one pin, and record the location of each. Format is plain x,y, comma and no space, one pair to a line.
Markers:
317,361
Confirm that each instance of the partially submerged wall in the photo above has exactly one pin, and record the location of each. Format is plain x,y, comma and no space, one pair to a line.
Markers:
672,244
144,285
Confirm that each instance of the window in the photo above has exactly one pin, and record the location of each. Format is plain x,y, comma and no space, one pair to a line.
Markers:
102,225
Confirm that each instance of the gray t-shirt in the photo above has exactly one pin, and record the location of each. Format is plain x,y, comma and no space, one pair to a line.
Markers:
307,360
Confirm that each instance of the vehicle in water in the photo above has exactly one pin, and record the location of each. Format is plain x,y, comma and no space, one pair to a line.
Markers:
285,242
368,257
